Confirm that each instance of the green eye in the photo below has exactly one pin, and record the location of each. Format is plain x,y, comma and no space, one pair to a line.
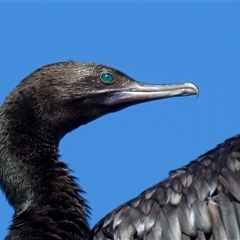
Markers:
106,77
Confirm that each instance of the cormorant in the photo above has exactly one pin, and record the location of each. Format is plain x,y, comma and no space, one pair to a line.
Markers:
45,106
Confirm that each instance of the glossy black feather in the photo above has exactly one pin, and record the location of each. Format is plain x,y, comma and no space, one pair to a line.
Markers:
198,201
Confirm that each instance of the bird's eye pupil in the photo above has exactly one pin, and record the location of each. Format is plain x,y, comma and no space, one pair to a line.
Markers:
106,78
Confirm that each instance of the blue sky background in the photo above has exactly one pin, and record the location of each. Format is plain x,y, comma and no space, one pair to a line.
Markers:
119,155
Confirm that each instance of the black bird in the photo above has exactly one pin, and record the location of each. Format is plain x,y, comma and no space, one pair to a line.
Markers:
45,106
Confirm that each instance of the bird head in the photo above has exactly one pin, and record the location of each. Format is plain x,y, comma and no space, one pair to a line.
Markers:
63,96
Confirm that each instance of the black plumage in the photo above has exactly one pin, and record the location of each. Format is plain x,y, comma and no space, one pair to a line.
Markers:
198,201
45,106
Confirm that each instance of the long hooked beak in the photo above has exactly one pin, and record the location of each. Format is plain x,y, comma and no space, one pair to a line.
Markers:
140,92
